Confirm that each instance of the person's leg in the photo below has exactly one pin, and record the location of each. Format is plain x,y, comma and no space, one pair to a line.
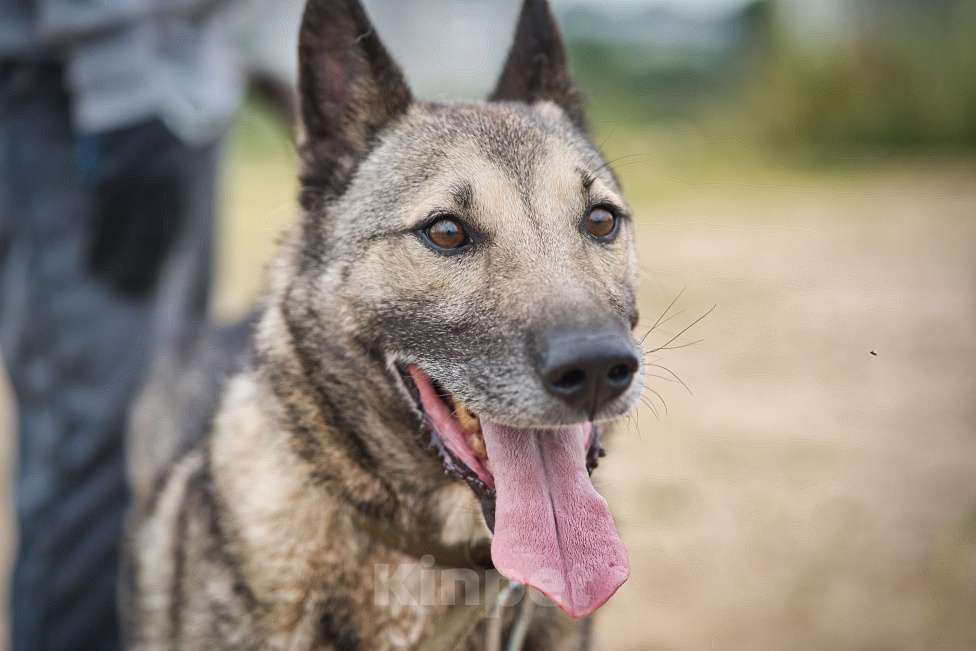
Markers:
88,230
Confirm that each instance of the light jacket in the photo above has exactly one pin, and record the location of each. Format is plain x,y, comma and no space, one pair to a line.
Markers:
127,61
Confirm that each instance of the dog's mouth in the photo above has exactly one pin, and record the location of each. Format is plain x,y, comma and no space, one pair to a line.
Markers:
551,529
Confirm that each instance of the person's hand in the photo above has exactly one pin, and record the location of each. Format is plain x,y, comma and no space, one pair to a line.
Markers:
138,203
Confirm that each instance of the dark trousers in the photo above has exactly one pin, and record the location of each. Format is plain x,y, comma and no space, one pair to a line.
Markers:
88,228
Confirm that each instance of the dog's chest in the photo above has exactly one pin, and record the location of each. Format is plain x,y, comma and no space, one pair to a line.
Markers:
419,628
401,606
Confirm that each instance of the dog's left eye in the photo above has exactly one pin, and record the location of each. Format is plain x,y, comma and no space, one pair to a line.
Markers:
447,233
601,224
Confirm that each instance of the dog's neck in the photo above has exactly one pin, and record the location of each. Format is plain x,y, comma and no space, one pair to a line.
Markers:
321,483
298,542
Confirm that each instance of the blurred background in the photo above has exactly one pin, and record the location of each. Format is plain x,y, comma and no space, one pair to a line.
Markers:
804,477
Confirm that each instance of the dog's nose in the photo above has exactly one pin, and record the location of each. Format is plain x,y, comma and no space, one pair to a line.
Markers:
588,369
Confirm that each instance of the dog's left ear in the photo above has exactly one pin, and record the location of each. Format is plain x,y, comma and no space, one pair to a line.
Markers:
537,68
350,88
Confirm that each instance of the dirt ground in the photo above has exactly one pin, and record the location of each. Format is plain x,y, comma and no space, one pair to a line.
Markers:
810,494
817,487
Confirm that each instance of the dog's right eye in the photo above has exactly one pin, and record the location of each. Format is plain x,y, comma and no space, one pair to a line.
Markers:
447,234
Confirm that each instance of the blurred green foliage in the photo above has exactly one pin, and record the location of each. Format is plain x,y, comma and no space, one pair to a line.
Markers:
895,74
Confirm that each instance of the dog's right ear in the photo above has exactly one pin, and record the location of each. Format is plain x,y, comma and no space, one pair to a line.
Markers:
350,88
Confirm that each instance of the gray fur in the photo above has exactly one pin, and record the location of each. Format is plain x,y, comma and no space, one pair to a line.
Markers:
316,468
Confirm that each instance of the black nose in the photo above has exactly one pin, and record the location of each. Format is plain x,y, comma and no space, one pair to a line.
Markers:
588,369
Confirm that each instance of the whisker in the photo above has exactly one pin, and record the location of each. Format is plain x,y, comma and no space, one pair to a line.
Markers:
663,315
650,405
659,397
603,143
632,422
673,316
667,345
613,161
677,346
663,378
628,163
672,374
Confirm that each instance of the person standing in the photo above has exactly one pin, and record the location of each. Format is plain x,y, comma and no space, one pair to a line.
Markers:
111,115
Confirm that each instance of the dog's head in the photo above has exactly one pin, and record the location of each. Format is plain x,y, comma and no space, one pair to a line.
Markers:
484,255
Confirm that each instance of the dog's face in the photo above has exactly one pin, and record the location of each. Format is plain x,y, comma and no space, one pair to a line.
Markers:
485,253
496,235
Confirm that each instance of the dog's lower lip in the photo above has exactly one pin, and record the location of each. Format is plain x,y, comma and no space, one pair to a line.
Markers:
433,440
454,429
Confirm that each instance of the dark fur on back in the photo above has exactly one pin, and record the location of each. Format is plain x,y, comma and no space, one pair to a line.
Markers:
181,396
315,468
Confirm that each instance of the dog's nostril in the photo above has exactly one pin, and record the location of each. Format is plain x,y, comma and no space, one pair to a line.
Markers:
570,380
589,368
619,374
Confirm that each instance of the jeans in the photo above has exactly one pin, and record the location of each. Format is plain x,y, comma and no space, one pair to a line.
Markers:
87,226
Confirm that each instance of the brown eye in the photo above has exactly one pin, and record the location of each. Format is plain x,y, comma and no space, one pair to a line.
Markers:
601,224
446,233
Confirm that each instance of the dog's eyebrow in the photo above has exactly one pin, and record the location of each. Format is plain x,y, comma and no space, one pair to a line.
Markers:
463,195
588,178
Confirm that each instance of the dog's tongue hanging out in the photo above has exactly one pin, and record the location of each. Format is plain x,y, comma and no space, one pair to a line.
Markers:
553,531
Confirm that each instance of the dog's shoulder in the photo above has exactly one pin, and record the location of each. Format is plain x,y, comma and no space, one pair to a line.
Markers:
184,582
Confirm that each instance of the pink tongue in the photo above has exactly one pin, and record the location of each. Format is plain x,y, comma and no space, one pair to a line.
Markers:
553,531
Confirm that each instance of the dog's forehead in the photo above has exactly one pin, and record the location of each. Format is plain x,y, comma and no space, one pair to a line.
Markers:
494,157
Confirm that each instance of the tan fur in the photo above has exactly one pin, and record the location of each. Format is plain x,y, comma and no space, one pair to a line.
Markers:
273,519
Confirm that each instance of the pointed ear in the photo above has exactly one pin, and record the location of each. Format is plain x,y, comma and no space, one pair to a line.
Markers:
537,68
349,87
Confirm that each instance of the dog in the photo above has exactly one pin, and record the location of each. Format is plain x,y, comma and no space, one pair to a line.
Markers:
447,333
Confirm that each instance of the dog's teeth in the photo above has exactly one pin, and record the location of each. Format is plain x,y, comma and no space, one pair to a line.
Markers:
468,421
477,444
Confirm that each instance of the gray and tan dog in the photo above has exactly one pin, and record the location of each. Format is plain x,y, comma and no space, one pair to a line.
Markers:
446,332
